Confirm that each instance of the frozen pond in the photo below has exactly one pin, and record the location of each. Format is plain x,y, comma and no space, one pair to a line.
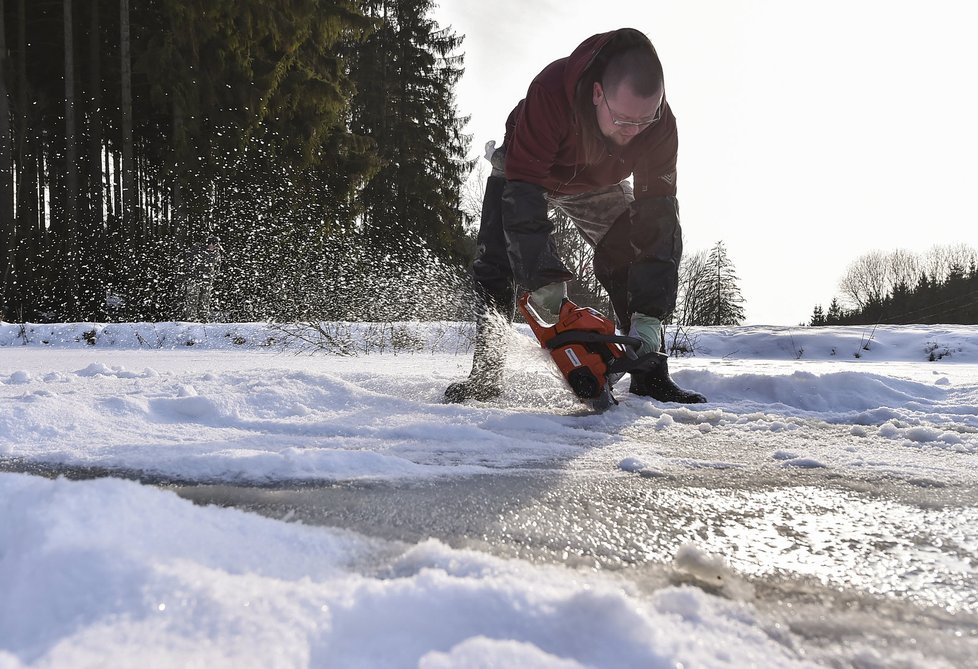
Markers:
833,560
820,510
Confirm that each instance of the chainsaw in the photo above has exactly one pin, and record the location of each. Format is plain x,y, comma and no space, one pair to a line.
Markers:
583,343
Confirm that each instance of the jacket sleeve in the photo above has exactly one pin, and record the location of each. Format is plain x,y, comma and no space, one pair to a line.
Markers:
655,170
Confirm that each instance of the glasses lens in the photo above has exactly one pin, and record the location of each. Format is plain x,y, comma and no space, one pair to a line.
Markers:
635,124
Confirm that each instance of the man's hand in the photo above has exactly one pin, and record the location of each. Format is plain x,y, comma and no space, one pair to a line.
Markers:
549,297
649,330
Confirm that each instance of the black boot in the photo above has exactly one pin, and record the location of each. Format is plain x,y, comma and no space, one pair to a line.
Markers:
493,318
655,383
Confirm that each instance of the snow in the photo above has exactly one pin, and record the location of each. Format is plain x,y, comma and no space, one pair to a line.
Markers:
103,563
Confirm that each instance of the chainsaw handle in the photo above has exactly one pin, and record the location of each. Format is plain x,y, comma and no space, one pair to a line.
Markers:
585,337
542,331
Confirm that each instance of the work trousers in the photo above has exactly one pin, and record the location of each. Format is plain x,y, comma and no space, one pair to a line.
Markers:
637,244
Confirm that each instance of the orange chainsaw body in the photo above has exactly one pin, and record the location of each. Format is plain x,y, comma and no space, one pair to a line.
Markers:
584,346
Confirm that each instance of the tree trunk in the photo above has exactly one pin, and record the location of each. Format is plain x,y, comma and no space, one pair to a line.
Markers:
26,150
116,159
71,150
95,196
43,187
29,226
105,157
178,216
6,153
128,167
70,240
8,231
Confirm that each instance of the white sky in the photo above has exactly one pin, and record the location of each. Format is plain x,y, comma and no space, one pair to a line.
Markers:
810,133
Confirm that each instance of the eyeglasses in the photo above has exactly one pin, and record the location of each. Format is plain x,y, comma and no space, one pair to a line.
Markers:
634,124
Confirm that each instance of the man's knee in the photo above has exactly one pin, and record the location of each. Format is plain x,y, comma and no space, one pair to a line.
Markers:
615,249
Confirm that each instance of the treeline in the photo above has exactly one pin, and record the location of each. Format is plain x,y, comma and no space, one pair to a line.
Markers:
318,139
939,286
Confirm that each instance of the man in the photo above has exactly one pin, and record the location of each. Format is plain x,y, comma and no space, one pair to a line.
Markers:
203,266
587,123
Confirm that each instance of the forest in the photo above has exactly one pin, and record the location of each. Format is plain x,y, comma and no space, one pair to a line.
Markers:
320,144
318,140
899,287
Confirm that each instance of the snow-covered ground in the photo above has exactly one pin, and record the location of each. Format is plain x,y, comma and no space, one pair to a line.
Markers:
836,465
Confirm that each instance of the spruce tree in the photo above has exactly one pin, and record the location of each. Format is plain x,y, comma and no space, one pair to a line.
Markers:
405,75
835,314
236,72
719,301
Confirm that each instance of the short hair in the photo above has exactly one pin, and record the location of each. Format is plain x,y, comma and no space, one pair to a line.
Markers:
627,56
638,66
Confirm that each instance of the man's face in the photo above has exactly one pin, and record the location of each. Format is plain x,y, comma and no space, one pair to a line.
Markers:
622,114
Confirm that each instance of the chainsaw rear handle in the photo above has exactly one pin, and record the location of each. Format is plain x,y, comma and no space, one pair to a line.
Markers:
584,337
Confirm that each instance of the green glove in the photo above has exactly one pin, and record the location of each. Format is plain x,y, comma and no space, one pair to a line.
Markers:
549,297
649,330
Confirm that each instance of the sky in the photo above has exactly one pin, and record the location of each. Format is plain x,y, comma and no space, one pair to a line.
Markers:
652,535
810,133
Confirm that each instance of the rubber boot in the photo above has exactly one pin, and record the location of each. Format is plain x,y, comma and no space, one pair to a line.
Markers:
655,383
493,319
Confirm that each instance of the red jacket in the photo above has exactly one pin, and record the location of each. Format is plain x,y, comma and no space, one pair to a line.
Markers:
543,143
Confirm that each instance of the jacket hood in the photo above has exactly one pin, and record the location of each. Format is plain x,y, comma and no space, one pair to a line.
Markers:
581,59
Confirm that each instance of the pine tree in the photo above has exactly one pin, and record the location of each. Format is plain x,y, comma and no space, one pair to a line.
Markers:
405,75
242,73
717,299
835,314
